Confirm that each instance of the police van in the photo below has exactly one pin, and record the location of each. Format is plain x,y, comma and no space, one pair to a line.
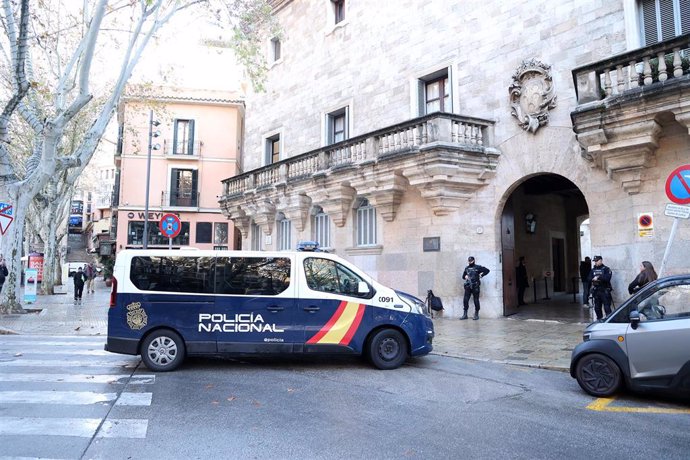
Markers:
166,305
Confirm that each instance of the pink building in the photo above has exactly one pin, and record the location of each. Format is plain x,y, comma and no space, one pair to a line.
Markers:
198,145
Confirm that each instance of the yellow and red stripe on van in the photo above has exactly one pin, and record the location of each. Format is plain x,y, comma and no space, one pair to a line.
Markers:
341,327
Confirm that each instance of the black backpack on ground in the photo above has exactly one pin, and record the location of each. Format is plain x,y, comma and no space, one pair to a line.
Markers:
433,302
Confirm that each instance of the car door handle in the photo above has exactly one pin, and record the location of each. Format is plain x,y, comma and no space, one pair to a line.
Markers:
275,308
312,309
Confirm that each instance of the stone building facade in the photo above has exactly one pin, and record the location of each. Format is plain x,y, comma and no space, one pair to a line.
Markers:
410,135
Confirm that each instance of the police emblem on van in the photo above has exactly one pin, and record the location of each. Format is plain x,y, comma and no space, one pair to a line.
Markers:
136,316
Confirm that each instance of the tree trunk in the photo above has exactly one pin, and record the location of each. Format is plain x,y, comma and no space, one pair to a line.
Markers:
11,292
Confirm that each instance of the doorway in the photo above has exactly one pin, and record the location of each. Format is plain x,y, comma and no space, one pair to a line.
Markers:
541,221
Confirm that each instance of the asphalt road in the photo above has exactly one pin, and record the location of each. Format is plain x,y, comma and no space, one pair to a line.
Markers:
65,398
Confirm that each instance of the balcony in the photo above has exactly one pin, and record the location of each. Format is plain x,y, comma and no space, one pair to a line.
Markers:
445,157
621,101
180,199
182,148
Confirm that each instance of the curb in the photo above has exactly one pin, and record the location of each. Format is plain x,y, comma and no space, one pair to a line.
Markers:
548,367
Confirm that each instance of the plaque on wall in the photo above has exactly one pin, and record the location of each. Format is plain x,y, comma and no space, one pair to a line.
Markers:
431,244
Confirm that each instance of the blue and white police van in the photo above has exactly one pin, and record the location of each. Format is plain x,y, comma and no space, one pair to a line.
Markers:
166,305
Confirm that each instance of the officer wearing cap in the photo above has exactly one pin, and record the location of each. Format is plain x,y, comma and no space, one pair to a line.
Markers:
472,275
600,279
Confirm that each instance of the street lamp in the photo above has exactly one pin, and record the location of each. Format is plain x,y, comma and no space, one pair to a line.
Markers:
152,124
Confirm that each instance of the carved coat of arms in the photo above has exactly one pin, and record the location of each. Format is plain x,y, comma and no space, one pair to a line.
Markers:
532,94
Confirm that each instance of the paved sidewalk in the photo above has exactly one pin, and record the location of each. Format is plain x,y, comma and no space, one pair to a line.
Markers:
534,343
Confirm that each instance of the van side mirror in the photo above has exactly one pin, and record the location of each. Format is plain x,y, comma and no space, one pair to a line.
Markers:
634,319
362,288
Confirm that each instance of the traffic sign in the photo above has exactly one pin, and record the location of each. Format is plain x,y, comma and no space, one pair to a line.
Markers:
676,210
170,225
678,185
6,216
645,224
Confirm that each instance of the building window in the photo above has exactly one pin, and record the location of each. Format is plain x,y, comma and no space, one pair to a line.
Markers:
275,49
203,232
338,10
366,224
436,95
220,233
322,229
663,19
135,234
256,237
183,137
183,188
284,235
273,149
337,125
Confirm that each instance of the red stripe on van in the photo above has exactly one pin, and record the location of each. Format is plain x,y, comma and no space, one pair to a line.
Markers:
324,330
113,293
353,327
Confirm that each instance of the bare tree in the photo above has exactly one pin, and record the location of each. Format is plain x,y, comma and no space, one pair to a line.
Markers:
49,107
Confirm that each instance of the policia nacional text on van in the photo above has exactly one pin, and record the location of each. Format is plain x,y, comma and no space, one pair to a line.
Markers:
166,305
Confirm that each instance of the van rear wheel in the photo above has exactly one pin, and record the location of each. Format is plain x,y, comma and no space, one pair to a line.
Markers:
163,351
387,349
598,375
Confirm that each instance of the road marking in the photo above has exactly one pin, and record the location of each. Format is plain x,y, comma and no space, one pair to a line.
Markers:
604,405
81,378
64,363
77,427
72,397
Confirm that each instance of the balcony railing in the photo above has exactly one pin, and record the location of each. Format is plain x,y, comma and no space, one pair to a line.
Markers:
459,131
658,63
182,199
182,148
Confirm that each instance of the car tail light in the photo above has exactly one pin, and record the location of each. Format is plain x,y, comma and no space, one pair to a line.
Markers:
113,293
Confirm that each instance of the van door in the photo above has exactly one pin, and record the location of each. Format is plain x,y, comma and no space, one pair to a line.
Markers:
330,309
659,346
255,305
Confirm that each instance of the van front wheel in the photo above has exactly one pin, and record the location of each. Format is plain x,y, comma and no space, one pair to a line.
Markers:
162,351
388,349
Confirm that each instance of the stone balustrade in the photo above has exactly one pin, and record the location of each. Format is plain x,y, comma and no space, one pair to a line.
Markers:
460,132
643,67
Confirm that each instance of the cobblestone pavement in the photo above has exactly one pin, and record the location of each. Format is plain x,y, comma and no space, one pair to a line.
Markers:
534,343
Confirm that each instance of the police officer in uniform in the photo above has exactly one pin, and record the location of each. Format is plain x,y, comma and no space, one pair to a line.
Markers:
472,275
600,280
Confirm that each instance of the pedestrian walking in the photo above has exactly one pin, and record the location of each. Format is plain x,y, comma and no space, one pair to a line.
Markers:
90,272
646,275
585,268
521,280
472,275
79,278
3,272
600,277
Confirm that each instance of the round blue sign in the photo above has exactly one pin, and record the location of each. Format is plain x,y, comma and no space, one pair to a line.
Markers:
170,225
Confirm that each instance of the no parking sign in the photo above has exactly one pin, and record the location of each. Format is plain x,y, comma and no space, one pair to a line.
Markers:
645,224
678,185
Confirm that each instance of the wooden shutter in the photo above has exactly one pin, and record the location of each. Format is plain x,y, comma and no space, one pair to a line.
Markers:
174,144
174,179
684,16
195,188
190,139
650,32
667,19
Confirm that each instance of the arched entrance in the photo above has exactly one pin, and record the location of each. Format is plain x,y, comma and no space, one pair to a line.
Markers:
541,222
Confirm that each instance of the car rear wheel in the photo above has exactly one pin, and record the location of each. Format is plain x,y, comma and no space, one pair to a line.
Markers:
598,375
388,349
162,351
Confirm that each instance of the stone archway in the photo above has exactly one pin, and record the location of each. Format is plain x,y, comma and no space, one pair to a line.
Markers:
540,220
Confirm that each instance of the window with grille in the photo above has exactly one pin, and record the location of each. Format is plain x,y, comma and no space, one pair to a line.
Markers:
322,230
366,224
256,237
284,235
663,19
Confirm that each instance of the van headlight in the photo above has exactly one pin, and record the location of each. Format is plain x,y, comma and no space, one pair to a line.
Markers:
586,336
416,305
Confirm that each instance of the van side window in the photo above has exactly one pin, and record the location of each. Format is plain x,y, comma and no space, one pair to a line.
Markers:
252,275
328,276
173,274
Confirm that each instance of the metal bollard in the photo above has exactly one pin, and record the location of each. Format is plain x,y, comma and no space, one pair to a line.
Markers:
575,278
534,287
546,289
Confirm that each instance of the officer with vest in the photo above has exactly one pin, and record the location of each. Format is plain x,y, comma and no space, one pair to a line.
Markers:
472,275
600,279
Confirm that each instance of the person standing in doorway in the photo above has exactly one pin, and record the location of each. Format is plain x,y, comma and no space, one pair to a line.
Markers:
600,277
521,280
647,274
585,268
90,272
472,275
79,278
